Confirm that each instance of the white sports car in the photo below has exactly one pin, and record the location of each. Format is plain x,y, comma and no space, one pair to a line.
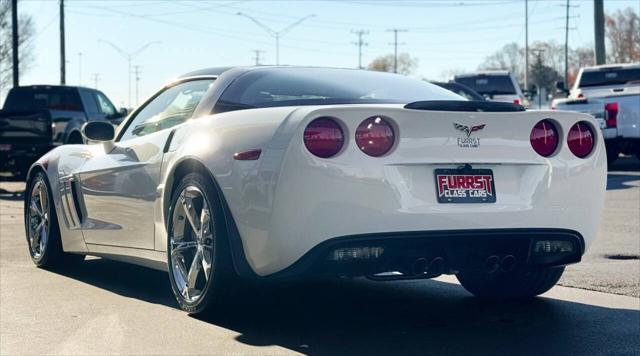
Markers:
274,172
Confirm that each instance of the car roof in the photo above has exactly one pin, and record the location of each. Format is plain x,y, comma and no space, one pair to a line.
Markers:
611,66
484,72
49,86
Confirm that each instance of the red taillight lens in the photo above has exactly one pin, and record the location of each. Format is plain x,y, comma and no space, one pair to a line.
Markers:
516,101
544,138
323,137
580,139
375,136
611,114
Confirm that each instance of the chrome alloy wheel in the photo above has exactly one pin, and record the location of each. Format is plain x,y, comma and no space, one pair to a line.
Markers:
38,217
191,243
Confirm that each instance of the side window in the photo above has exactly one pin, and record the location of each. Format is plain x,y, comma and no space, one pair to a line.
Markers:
173,106
105,105
88,101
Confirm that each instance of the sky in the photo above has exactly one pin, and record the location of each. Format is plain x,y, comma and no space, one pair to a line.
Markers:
185,35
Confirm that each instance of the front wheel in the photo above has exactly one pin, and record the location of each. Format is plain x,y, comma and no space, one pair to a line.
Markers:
41,226
200,267
511,285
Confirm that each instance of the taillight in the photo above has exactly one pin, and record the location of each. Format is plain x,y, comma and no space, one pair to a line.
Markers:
544,138
516,101
581,139
580,96
375,136
611,114
323,137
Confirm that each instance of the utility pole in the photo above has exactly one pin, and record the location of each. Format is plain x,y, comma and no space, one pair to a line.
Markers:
96,78
14,43
395,47
526,45
257,55
80,68
566,47
276,34
63,61
137,77
360,42
129,56
598,24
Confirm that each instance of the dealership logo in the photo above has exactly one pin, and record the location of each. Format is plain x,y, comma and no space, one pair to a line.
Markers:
468,142
465,186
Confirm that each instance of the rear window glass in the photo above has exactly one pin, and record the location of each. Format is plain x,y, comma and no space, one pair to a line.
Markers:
489,84
43,98
321,86
611,76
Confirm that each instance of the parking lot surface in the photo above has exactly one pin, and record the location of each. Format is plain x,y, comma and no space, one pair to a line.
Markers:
107,307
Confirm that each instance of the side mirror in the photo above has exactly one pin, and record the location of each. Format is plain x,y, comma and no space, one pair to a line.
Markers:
123,112
560,86
99,131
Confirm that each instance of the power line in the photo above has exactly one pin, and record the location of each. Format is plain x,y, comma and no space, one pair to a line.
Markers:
360,43
395,47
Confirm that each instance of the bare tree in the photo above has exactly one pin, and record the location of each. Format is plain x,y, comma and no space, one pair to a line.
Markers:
406,64
623,32
510,57
26,31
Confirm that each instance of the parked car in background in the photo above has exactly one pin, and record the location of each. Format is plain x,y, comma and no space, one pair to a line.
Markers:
498,85
460,89
610,93
36,118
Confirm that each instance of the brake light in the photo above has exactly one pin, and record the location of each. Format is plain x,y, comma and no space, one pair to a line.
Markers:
581,139
516,101
323,137
375,136
580,96
611,114
544,138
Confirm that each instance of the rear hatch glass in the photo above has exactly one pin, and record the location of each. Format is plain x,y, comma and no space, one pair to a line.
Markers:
51,98
609,76
489,84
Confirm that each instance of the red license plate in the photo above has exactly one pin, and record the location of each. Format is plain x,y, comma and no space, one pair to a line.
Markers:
465,186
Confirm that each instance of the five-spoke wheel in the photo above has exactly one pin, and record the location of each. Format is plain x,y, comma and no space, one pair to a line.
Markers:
197,246
38,218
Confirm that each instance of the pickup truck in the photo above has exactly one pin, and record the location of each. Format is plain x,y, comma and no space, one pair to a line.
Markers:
610,93
34,119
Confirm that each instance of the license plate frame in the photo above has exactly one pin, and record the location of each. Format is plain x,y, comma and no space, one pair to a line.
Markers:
465,186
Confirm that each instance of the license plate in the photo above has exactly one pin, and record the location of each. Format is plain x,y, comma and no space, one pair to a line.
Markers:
465,186
5,147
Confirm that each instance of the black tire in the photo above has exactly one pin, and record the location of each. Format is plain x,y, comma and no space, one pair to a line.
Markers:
222,279
52,255
512,285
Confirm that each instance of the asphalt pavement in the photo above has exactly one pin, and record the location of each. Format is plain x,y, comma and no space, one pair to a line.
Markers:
108,307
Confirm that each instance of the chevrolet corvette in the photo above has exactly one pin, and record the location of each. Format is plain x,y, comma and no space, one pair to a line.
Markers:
245,173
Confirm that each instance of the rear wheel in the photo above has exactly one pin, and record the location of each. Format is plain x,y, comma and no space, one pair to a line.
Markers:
200,267
511,285
41,226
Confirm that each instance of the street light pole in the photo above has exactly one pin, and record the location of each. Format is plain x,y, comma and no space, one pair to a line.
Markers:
276,34
129,56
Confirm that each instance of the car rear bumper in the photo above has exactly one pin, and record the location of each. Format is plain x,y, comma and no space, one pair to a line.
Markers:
415,254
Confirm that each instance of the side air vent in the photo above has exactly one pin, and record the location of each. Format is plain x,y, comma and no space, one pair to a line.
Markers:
70,207
463,105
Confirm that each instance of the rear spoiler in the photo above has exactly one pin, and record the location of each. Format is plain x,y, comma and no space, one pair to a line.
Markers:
462,105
